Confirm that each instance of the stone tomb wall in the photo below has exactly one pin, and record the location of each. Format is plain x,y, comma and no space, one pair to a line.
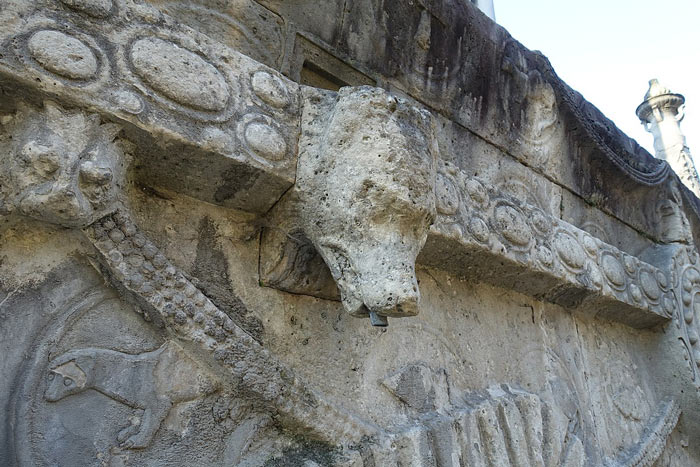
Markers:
354,233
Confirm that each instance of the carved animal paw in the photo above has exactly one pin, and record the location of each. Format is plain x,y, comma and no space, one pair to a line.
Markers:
126,432
136,441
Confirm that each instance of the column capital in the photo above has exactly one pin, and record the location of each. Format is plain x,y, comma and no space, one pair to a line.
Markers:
658,97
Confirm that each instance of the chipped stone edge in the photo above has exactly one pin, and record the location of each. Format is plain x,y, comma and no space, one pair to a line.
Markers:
653,439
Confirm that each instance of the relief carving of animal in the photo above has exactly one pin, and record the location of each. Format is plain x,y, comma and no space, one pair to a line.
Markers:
152,381
59,166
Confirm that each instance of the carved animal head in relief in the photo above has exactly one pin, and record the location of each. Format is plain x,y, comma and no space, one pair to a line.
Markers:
528,98
674,225
366,190
59,166
65,380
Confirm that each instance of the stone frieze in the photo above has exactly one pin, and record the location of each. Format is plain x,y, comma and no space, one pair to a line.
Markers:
352,191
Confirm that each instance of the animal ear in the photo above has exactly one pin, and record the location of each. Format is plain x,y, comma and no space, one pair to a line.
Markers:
85,363
53,110
72,371
62,359
111,130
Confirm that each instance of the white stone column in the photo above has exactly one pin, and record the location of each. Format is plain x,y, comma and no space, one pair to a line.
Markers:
661,114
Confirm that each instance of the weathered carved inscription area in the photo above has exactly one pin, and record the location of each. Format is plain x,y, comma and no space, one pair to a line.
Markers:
188,237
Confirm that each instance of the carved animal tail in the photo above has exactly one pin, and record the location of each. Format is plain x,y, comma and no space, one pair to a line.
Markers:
157,288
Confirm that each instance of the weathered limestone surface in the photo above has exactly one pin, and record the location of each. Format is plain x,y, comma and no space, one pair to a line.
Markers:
199,199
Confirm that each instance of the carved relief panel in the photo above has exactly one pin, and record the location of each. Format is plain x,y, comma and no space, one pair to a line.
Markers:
123,353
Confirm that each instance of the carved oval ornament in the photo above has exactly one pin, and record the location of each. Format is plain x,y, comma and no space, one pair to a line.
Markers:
569,250
662,279
540,221
62,54
687,284
630,263
669,305
613,270
446,195
693,337
179,74
687,298
649,285
479,229
596,278
512,225
635,293
476,191
270,89
688,316
265,140
590,245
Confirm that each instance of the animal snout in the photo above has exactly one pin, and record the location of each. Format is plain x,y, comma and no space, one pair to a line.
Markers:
393,298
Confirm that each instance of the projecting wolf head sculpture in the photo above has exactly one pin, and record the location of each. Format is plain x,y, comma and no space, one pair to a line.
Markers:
365,191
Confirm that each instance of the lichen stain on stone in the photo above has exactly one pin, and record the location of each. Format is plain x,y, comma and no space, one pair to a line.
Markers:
213,278
235,180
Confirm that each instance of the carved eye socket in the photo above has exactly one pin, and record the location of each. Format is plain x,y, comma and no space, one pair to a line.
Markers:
666,208
51,376
93,173
43,159
67,381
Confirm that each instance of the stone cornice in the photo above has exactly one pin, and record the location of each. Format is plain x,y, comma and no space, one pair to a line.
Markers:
352,190
487,235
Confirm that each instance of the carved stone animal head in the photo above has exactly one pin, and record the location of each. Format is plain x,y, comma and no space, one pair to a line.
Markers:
365,184
64,380
669,215
528,99
58,166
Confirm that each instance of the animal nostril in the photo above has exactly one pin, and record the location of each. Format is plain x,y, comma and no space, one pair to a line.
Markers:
378,320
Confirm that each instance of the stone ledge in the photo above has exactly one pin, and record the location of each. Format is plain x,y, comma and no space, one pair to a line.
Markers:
483,234
231,135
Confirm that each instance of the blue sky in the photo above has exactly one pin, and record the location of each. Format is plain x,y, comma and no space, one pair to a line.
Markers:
609,50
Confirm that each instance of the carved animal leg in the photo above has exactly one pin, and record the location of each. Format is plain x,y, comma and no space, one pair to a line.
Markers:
133,427
150,422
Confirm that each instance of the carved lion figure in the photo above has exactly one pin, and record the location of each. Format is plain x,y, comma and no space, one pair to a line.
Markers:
58,166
